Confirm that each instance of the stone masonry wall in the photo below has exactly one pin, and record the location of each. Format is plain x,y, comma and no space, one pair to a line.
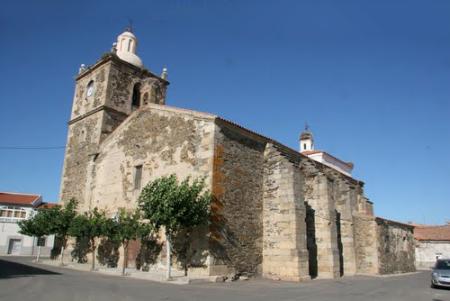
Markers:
319,195
94,117
346,206
84,132
160,140
82,103
261,188
121,81
163,141
236,229
366,244
395,247
82,141
285,254
290,180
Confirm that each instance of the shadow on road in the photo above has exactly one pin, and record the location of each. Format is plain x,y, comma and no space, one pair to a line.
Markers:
10,269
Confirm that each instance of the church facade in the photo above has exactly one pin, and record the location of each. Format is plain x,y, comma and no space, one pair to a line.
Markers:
277,212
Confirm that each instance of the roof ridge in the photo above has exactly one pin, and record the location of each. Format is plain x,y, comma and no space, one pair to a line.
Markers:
20,193
432,226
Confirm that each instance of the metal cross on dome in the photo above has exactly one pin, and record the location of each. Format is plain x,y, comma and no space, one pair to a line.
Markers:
306,127
130,25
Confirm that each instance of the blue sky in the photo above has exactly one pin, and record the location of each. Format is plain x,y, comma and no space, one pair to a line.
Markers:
370,77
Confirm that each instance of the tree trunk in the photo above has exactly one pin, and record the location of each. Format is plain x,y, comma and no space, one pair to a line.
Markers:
93,255
141,255
62,255
168,256
186,248
38,254
125,257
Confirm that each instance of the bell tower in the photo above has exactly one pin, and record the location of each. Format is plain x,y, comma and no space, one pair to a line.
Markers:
306,140
106,93
126,48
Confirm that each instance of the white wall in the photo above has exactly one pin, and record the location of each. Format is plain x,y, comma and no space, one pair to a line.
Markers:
331,162
306,145
426,252
9,229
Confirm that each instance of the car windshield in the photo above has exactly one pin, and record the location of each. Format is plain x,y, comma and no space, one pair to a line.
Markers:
443,265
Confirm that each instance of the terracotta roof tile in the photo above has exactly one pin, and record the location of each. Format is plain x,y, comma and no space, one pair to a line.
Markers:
439,233
10,198
311,152
47,205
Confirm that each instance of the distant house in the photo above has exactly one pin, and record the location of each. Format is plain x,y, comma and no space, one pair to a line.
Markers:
432,242
13,208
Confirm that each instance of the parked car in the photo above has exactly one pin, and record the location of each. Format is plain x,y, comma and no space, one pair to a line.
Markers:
440,276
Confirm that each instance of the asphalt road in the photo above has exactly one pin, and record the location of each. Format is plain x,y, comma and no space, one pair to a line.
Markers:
22,280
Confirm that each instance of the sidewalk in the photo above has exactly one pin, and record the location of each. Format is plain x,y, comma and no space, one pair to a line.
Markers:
153,275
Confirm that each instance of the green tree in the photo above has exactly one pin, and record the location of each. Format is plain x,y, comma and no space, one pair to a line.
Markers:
108,252
182,249
90,225
60,220
81,249
54,220
149,250
175,206
37,226
125,227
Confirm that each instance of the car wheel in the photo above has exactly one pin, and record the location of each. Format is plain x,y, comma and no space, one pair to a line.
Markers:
433,285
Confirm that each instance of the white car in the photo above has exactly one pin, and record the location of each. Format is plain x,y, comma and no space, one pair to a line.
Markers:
440,276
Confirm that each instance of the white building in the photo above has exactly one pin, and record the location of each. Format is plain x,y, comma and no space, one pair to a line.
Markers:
13,208
307,149
432,242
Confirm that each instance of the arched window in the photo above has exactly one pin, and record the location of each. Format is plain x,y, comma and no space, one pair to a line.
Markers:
90,88
136,98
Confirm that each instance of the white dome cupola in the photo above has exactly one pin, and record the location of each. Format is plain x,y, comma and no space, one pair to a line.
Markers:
126,48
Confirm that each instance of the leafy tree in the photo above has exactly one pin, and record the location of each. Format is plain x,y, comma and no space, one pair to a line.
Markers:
126,227
60,221
36,226
54,220
55,252
108,252
150,247
90,225
181,246
81,248
175,206
148,252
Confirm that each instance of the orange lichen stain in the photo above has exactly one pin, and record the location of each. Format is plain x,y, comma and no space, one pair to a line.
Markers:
217,187
217,192
216,205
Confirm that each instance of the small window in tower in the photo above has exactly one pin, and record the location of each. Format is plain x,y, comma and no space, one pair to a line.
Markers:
136,98
304,146
129,45
137,177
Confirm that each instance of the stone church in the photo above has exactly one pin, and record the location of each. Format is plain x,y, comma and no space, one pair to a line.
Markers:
276,212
